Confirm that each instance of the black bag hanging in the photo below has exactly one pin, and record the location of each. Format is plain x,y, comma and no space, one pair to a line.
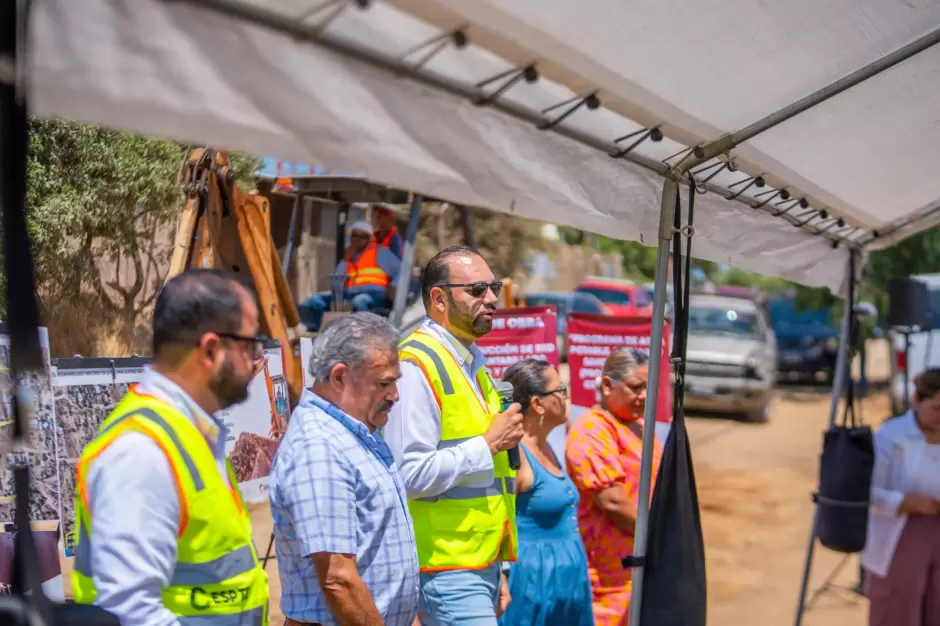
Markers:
674,582
845,469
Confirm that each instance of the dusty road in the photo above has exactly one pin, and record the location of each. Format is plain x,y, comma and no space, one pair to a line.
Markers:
754,486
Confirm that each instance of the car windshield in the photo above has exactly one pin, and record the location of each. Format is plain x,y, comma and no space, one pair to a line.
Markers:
607,296
561,305
724,321
583,303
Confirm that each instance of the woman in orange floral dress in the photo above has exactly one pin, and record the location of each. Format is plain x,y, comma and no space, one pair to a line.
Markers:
603,457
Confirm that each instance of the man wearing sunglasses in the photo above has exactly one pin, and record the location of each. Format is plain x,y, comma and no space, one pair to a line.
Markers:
163,534
366,278
450,438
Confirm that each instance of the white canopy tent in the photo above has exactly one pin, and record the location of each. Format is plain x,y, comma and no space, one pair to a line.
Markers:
520,105
242,74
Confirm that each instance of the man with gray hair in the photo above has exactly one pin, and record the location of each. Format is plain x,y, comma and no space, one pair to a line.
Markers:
345,544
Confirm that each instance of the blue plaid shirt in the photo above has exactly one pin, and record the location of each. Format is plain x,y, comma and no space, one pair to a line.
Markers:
335,488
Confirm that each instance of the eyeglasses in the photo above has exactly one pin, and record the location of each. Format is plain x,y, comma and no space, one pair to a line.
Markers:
360,236
257,342
478,290
563,390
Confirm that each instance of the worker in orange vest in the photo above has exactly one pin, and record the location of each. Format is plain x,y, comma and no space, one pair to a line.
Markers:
366,278
386,235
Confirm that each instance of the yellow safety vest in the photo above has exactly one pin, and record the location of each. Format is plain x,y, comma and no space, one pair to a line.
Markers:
218,579
464,527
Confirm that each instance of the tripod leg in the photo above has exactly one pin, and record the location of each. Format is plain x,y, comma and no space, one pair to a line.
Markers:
267,553
807,568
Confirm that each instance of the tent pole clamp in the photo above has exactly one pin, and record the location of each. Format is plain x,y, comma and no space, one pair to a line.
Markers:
591,101
654,134
513,76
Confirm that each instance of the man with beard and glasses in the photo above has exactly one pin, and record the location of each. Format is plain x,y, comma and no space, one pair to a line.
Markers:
450,440
345,543
163,534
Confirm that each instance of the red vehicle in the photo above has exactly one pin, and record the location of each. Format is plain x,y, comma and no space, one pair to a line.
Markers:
620,297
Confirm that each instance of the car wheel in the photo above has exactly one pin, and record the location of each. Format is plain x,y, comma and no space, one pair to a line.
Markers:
761,415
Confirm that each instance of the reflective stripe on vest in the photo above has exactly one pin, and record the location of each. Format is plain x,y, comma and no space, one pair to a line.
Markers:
218,579
366,270
464,527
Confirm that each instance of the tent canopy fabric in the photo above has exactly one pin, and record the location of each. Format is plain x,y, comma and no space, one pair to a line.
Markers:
199,71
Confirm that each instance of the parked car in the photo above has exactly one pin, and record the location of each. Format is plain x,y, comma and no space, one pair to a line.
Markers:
731,358
670,301
621,297
565,303
924,350
807,339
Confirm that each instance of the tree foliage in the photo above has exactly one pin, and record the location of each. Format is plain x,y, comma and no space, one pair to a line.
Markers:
96,198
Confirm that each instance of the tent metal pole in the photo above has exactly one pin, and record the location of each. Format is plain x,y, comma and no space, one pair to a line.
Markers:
260,16
838,387
292,231
407,262
666,226
729,141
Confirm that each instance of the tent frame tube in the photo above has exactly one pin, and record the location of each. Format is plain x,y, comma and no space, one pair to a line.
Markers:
666,230
241,10
727,142
843,364
407,262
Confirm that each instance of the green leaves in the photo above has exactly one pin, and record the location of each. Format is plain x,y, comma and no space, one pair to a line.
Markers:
96,198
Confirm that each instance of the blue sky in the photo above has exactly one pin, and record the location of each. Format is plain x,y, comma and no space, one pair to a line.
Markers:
292,168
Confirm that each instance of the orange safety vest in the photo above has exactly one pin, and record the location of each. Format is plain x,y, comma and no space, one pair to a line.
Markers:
365,270
386,240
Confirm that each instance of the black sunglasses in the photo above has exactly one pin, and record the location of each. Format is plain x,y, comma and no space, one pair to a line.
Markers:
478,290
258,341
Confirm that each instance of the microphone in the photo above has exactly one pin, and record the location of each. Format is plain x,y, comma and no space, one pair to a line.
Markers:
505,390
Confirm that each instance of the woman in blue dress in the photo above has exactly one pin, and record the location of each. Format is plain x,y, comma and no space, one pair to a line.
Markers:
549,582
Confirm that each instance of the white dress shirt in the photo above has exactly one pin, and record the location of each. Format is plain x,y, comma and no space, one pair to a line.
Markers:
413,431
136,513
904,464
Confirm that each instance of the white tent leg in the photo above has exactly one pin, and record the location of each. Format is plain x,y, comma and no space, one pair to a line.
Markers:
838,387
407,262
666,226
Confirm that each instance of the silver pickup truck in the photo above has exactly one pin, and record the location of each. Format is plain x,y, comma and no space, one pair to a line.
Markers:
732,357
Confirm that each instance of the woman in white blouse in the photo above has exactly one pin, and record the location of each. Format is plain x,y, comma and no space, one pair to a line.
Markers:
902,554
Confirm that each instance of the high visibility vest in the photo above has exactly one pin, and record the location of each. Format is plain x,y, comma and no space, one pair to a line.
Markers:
464,527
218,578
366,270
386,241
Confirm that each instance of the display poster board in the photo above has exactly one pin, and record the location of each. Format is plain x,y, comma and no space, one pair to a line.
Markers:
86,391
256,425
520,333
39,451
591,338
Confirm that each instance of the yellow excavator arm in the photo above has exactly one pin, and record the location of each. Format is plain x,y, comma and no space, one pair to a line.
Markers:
222,226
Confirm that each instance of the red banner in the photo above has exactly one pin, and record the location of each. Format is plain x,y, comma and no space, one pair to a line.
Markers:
592,337
521,333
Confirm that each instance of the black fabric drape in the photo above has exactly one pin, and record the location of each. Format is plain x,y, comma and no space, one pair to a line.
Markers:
845,469
674,583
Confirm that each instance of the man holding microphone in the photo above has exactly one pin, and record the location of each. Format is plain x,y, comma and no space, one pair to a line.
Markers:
451,442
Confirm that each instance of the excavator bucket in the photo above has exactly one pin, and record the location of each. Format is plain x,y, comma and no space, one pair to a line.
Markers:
222,226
